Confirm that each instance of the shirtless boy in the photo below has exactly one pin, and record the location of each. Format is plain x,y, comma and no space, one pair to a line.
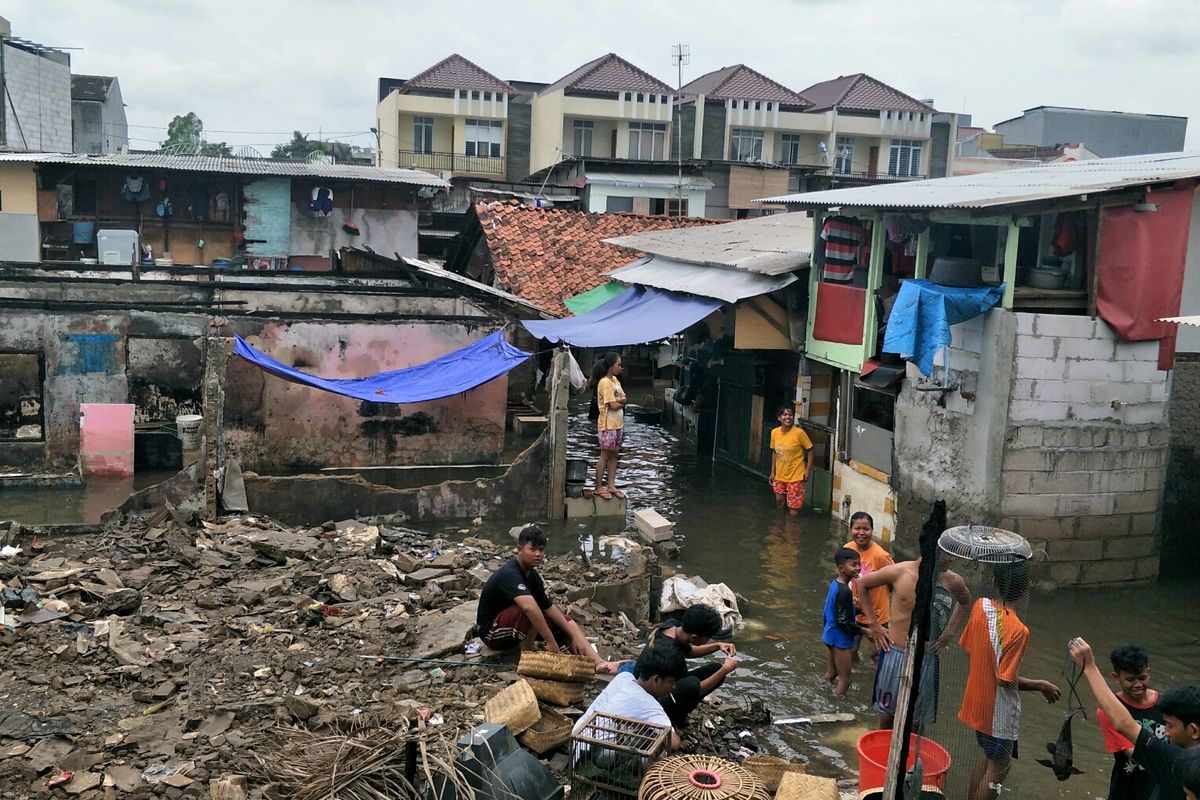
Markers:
951,599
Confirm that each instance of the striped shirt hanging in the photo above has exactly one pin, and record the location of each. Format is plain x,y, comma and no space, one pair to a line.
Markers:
842,237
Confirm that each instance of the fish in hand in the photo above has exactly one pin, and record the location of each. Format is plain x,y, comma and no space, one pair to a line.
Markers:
1062,753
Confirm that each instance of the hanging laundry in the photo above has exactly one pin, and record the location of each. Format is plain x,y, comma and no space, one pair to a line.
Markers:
322,201
842,237
1066,235
136,189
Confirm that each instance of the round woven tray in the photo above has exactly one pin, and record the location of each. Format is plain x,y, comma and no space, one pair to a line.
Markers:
695,777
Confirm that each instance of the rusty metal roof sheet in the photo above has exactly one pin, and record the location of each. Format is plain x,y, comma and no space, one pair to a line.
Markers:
235,166
1008,187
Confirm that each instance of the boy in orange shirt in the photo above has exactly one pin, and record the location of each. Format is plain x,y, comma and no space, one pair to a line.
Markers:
791,461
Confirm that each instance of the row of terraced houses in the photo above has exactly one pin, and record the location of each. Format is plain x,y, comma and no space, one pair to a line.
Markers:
627,141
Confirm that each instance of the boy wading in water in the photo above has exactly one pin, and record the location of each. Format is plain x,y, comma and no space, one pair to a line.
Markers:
791,461
610,398
841,629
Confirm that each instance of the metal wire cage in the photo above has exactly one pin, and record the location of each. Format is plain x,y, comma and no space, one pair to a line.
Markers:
610,755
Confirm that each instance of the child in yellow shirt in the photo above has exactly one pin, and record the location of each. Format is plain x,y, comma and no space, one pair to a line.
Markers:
791,459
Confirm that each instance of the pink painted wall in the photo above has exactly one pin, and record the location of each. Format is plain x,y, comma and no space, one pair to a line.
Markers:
106,439
274,426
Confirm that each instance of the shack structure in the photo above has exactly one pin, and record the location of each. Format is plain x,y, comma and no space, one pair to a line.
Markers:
1046,414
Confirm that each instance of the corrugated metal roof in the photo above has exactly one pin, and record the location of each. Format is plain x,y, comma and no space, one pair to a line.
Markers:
1008,187
235,166
635,179
434,271
771,245
721,283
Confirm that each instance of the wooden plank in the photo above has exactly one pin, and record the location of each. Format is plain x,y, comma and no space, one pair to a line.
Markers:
1010,264
922,253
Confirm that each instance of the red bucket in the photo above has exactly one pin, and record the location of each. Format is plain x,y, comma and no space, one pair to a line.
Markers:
873,756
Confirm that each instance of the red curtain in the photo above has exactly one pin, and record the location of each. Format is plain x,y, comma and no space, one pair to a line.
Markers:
840,313
1140,267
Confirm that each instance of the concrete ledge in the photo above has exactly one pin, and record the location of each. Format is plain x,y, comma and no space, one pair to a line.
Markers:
578,507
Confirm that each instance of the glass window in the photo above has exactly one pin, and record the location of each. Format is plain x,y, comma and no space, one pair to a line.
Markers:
904,159
615,204
844,157
423,134
583,130
745,144
647,140
483,138
789,148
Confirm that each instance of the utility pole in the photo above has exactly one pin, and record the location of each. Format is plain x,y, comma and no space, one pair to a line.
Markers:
681,56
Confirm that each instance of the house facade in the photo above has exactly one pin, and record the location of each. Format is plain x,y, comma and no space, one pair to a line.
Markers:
1045,413
454,119
1108,133
98,123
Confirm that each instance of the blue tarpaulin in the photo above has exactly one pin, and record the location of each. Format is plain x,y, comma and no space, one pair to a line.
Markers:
452,374
636,316
920,322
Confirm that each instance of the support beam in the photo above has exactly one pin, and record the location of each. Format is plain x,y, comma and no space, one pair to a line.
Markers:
922,253
559,382
1010,263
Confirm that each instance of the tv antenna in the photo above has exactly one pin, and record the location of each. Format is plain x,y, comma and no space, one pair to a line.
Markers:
681,56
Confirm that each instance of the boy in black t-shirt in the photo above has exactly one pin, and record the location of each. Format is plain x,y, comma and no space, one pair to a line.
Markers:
690,637
1180,710
514,605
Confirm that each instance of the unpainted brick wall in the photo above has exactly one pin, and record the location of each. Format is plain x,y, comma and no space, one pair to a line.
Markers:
41,102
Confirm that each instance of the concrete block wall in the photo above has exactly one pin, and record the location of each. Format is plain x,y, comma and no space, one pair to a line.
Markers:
1086,450
41,101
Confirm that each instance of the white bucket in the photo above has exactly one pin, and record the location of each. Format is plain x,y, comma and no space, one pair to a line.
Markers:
189,427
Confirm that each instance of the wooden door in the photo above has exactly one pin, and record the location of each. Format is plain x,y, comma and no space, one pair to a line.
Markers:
873,161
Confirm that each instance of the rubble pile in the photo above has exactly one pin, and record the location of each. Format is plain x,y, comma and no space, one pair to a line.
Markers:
162,660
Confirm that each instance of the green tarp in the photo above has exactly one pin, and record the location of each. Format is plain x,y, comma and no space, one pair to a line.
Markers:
586,301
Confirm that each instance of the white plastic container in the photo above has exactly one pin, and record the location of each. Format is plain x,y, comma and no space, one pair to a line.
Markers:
189,427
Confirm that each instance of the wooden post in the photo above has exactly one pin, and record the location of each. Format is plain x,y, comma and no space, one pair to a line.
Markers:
216,353
560,391
900,726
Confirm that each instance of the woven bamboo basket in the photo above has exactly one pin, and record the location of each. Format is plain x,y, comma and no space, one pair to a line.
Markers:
548,732
799,786
770,769
557,693
514,706
695,777
556,666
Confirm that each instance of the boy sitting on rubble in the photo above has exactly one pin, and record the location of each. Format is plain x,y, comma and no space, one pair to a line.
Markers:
514,610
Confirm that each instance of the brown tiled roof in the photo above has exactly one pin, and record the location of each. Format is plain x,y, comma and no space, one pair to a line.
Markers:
739,82
545,255
609,74
861,92
456,72
968,132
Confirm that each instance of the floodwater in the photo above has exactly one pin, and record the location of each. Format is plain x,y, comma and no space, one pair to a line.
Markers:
86,503
729,531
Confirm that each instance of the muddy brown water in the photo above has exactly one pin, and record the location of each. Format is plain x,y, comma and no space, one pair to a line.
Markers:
728,530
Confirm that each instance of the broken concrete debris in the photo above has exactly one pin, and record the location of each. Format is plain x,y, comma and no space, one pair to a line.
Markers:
160,659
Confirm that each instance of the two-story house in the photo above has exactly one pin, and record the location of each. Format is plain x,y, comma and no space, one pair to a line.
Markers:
873,131
608,126
455,119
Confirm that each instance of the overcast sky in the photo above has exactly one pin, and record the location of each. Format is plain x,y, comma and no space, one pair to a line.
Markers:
255,70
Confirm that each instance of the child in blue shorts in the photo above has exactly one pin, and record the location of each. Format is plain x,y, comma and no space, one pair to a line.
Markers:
841,627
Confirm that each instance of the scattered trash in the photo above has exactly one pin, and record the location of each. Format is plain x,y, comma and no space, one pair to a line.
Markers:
8,551
59,779
472,648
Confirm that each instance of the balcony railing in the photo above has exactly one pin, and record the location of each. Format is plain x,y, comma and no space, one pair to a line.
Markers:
452,162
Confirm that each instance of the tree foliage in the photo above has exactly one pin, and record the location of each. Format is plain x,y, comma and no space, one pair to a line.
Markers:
301,147
185,136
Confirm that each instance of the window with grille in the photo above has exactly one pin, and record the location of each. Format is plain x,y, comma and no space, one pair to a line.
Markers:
583,130
647,140
423,134
483,138
745,144
844,161
789,148
904,160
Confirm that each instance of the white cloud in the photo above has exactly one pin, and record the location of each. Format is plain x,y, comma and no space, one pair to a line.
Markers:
269,65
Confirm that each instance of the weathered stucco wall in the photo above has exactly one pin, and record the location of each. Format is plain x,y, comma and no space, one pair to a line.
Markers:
272,425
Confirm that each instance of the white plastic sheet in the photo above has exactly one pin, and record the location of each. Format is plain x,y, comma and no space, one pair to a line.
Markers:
679,592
